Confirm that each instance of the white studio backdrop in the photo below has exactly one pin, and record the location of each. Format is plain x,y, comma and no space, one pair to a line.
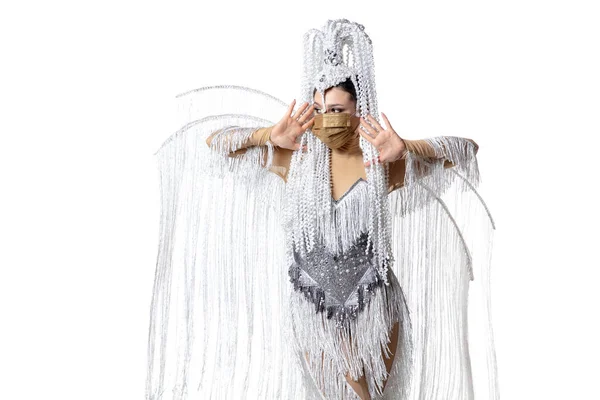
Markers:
87,96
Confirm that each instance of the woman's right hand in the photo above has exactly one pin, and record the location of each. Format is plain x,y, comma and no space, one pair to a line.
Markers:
292,125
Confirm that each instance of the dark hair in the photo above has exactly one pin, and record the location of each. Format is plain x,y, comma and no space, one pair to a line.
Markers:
346,86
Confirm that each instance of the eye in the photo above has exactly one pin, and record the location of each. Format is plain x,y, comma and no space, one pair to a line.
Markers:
318,110
337,110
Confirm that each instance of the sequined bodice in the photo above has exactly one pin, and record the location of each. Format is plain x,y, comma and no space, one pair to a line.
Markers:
339,284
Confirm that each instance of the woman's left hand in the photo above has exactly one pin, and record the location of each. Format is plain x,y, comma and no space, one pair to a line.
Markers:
390,146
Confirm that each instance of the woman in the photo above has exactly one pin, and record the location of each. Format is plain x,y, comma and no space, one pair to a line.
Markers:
345,232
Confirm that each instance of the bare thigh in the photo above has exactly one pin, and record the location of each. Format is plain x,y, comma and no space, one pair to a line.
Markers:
392,346
360,386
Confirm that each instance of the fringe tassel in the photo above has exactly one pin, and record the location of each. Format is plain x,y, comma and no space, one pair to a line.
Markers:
219,324
346,220
442,241
335,351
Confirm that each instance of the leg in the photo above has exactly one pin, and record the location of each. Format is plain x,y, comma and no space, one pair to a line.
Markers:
318,384
360,387
393,344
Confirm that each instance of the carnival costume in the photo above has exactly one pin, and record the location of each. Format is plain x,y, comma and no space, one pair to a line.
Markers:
269,288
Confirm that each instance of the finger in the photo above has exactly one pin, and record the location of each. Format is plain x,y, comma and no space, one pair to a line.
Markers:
377,138
308,124
368,163
290,108
387,122
298,145
374,122
373,125
365,135
300,110
368,128
307,114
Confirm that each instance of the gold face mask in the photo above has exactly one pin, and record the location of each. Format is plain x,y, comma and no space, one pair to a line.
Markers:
337,131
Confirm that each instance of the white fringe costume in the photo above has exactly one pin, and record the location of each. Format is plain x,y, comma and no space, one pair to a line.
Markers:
253,274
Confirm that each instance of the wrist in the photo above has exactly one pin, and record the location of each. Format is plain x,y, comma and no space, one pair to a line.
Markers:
261,136
404,151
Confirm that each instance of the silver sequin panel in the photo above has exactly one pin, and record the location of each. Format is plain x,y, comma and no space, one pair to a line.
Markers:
340,285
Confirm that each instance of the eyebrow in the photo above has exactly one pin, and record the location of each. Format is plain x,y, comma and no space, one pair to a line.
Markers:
331,105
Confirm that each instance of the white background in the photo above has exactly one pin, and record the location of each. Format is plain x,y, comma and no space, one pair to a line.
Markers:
87,96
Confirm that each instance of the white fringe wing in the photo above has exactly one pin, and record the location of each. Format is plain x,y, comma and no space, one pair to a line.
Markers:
218,317
442,240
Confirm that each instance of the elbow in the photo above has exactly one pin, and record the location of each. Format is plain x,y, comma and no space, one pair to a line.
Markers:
474,144
448,164
210,138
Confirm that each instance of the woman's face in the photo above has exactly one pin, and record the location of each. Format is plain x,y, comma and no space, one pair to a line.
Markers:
336,101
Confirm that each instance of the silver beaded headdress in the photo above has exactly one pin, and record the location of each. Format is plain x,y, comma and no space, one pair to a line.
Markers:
341,50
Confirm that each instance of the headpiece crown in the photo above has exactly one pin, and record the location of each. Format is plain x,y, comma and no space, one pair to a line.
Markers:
340,51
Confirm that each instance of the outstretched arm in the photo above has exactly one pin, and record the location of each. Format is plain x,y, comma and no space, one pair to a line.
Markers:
279,140
394,150
450,149
230,142
226,143
423,148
